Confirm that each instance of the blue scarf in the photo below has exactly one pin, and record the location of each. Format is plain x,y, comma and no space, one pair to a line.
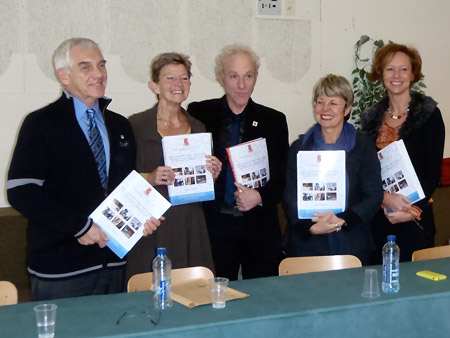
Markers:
346,140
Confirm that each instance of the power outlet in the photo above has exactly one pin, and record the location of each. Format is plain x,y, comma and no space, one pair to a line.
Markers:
269,7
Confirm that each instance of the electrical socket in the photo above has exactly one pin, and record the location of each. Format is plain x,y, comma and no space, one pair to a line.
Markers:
269,7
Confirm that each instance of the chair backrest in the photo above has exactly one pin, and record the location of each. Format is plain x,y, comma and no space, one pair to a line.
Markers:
295,265
431,253
143,281
8,293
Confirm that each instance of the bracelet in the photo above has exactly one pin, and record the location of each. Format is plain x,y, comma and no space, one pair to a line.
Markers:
416,212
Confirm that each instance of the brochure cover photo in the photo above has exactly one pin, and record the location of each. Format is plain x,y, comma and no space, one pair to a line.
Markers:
250,163
397,172
320,182
185,154
123,213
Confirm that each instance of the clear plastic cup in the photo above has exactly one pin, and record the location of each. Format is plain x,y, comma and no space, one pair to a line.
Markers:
45,319
371,286
218,292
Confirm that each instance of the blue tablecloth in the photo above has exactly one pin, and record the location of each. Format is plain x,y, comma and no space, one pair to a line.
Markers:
322,304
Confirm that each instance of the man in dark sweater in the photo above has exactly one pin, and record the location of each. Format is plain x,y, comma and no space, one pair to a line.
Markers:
243,223
56,181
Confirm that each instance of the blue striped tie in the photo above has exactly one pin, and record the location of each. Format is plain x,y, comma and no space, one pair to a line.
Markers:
96,144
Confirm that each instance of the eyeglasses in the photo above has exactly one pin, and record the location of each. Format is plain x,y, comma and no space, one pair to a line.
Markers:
331,104
136,311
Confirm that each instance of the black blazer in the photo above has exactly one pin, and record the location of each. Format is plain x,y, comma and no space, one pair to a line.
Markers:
364,197
53,156
270,124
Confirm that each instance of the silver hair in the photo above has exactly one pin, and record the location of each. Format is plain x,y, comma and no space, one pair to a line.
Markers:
61,57
230,50
334,85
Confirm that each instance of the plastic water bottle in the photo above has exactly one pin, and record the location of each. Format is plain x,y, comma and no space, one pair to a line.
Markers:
162,282
391,257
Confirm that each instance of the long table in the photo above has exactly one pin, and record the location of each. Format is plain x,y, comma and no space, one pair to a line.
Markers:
322,304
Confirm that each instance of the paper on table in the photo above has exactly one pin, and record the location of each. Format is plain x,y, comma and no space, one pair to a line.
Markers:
195,292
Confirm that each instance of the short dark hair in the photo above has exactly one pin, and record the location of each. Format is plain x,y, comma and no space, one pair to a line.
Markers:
164,59
385,54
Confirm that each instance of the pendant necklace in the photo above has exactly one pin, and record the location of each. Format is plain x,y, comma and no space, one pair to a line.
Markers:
397,117
159,118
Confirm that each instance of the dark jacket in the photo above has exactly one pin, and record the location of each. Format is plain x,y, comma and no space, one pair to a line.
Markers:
423,133
53,181
364,197
264,122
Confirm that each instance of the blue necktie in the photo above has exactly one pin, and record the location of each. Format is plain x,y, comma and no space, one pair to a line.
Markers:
230,188
97,147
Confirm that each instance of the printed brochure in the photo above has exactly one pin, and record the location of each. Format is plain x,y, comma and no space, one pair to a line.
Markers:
185,154
123,213
397,172
320,182
250,163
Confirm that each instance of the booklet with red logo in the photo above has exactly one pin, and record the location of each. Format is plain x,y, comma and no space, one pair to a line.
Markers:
397,172
250,163
185,154
123,213
320,182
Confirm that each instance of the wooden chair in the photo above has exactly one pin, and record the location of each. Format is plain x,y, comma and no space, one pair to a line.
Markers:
295,265
8,293
143,281
431,253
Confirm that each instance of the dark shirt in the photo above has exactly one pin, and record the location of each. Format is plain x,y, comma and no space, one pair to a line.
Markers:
223,141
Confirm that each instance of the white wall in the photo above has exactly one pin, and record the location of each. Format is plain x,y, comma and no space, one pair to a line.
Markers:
294,53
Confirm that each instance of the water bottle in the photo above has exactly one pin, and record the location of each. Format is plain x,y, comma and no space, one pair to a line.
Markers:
391,257
162,282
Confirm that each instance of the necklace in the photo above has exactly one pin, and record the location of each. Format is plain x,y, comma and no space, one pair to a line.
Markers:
397,117
160,119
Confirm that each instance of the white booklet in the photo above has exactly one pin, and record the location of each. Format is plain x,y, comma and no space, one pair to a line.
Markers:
123,213
185,154
397,172
320,182
250,163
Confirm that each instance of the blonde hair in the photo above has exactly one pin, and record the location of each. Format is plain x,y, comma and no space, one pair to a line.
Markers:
334,85
231,50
